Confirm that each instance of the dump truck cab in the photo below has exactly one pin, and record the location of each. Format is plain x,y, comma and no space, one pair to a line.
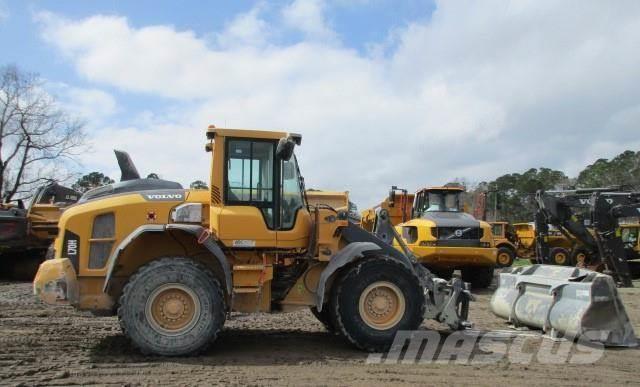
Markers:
445,238
172,263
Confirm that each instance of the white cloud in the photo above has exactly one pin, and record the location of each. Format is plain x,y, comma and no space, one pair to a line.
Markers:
91,104
246,29
479,90
308,17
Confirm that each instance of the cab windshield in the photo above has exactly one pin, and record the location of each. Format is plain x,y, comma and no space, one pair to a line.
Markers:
437,202
442,202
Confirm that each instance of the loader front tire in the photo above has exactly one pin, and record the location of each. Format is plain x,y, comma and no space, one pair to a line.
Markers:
325,318
374,299
480,277
172,307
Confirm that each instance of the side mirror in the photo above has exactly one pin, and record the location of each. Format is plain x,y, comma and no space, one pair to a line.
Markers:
284,151
392,197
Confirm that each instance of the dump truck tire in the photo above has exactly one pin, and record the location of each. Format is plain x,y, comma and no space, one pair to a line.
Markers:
560,256
172,307
505,257
325,318
23,266
480,277
374,299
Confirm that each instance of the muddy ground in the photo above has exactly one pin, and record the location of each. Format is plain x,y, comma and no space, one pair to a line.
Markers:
43,345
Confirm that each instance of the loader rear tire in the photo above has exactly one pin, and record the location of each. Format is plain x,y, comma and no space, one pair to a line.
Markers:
374,299
480,277
172,307
560,256
325,318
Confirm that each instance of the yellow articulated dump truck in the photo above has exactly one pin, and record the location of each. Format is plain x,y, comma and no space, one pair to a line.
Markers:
442,236
172,263
506,241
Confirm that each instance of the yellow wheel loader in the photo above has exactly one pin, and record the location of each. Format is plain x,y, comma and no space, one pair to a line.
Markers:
173,263
442,236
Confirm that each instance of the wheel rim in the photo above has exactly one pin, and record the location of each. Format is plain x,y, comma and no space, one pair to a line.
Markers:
581,259
561,258
504,258
172,309
381,305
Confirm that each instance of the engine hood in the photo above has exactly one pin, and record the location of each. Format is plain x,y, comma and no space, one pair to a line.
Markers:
451,219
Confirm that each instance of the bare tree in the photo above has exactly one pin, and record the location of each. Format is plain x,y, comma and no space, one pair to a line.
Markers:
38,139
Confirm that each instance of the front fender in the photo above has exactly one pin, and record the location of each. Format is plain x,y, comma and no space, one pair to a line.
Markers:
352,252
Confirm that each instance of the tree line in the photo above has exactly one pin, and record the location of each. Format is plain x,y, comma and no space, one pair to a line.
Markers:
510,197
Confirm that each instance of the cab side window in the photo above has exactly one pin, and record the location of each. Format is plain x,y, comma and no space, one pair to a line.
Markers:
292,199
250,175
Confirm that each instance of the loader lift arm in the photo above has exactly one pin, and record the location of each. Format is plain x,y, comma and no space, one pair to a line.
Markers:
605,210
447,301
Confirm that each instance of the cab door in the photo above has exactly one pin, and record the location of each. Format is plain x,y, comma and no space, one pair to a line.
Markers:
294,220
248,217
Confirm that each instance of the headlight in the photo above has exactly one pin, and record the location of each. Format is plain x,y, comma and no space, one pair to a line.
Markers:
485,244
187,213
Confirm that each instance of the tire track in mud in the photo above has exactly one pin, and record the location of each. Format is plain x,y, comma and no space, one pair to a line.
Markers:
44,345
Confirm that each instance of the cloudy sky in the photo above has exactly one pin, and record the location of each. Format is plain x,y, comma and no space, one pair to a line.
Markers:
384,92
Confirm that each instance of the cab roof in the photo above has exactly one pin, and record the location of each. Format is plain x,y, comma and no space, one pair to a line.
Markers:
453,189
213,132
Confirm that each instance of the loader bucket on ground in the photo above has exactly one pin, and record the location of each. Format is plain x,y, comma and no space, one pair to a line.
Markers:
568,301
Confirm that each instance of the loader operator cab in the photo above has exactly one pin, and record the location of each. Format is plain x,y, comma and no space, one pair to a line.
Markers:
265,174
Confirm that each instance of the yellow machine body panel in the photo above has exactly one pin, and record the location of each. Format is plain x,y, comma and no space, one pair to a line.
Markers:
425,245
335,199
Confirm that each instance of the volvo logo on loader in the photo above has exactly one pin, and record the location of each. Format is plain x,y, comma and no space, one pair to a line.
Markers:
164,196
